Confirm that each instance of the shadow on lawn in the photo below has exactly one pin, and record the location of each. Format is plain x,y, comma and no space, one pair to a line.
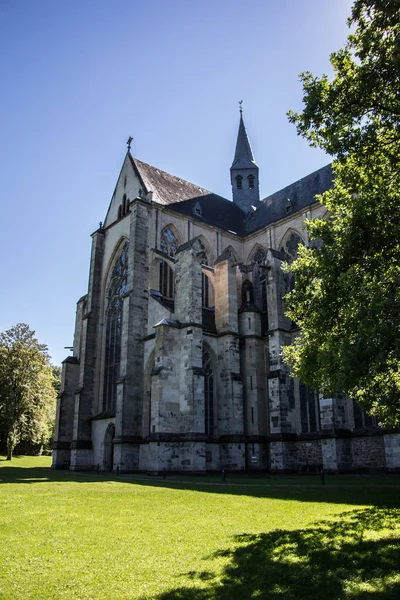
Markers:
379,490
333,560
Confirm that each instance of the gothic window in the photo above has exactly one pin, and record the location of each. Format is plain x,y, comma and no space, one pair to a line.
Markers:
250,179
168,245
309,416
239,180
260,281
208,393
115,295
290,247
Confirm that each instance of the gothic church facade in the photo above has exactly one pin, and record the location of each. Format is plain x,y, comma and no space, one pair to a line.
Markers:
176,362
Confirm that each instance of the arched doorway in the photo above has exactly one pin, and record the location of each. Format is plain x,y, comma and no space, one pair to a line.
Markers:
108,460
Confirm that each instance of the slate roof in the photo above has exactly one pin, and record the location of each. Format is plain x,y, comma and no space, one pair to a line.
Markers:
243,158
215,210
166,188
290,199
184,198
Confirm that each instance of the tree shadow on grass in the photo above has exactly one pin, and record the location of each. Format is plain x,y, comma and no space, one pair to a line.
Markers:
377,490
350,558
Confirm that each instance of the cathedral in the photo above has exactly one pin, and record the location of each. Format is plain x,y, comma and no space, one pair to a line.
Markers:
177,363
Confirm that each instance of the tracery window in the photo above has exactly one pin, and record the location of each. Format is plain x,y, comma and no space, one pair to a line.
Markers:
290,247
116,292
208,393
168,243
169,246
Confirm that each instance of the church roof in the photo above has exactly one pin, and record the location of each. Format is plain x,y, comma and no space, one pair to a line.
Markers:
243,158
202,205
166,188
213,210
292,198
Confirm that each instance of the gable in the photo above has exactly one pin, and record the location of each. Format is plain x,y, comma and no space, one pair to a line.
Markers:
129,186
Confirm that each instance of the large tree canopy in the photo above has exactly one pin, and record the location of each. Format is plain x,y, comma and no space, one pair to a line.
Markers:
27,388
346,300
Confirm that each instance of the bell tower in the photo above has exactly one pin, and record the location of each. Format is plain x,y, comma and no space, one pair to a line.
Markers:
244,171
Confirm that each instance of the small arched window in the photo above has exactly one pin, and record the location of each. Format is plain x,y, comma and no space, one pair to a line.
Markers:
239,182
115,295
247,294
168,245
208,393
250,179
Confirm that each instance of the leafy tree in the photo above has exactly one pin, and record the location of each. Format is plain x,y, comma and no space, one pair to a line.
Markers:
27,393
346,300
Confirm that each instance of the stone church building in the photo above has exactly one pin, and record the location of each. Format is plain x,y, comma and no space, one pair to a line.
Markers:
176,363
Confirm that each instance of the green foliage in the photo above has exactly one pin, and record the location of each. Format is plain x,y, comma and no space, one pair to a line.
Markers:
87,536
27,392
346,298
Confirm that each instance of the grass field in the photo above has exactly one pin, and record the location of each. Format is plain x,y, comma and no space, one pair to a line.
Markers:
86,536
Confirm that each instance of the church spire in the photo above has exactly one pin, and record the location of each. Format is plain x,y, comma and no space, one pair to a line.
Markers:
244,171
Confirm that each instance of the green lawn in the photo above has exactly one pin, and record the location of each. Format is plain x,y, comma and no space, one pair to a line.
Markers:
88,536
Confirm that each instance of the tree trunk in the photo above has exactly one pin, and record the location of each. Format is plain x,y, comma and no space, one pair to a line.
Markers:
10,445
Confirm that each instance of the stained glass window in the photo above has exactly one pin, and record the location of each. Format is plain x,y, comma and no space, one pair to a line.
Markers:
116,292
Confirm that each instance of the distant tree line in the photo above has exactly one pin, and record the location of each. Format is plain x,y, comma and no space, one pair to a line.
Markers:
29,385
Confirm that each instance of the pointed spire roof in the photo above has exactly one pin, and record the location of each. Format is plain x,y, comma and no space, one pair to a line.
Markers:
244,158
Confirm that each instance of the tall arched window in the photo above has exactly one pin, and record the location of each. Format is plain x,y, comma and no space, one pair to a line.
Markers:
168,245
260,282
239,180
116,292
309,409
208,393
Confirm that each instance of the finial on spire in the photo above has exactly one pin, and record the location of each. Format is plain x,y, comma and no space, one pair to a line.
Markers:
128,143
240,106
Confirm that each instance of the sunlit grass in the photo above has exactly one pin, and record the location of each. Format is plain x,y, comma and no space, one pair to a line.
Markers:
83,535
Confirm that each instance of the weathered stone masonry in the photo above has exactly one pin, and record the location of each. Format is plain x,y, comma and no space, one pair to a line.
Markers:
184,319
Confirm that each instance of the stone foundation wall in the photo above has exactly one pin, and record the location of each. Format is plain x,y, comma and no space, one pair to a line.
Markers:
367,453
308,455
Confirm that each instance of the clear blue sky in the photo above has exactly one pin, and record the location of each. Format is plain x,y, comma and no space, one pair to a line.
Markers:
79,76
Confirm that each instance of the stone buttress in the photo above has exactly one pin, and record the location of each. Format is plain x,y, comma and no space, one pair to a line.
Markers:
130,386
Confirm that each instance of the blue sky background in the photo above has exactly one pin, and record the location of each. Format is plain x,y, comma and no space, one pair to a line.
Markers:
79,76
